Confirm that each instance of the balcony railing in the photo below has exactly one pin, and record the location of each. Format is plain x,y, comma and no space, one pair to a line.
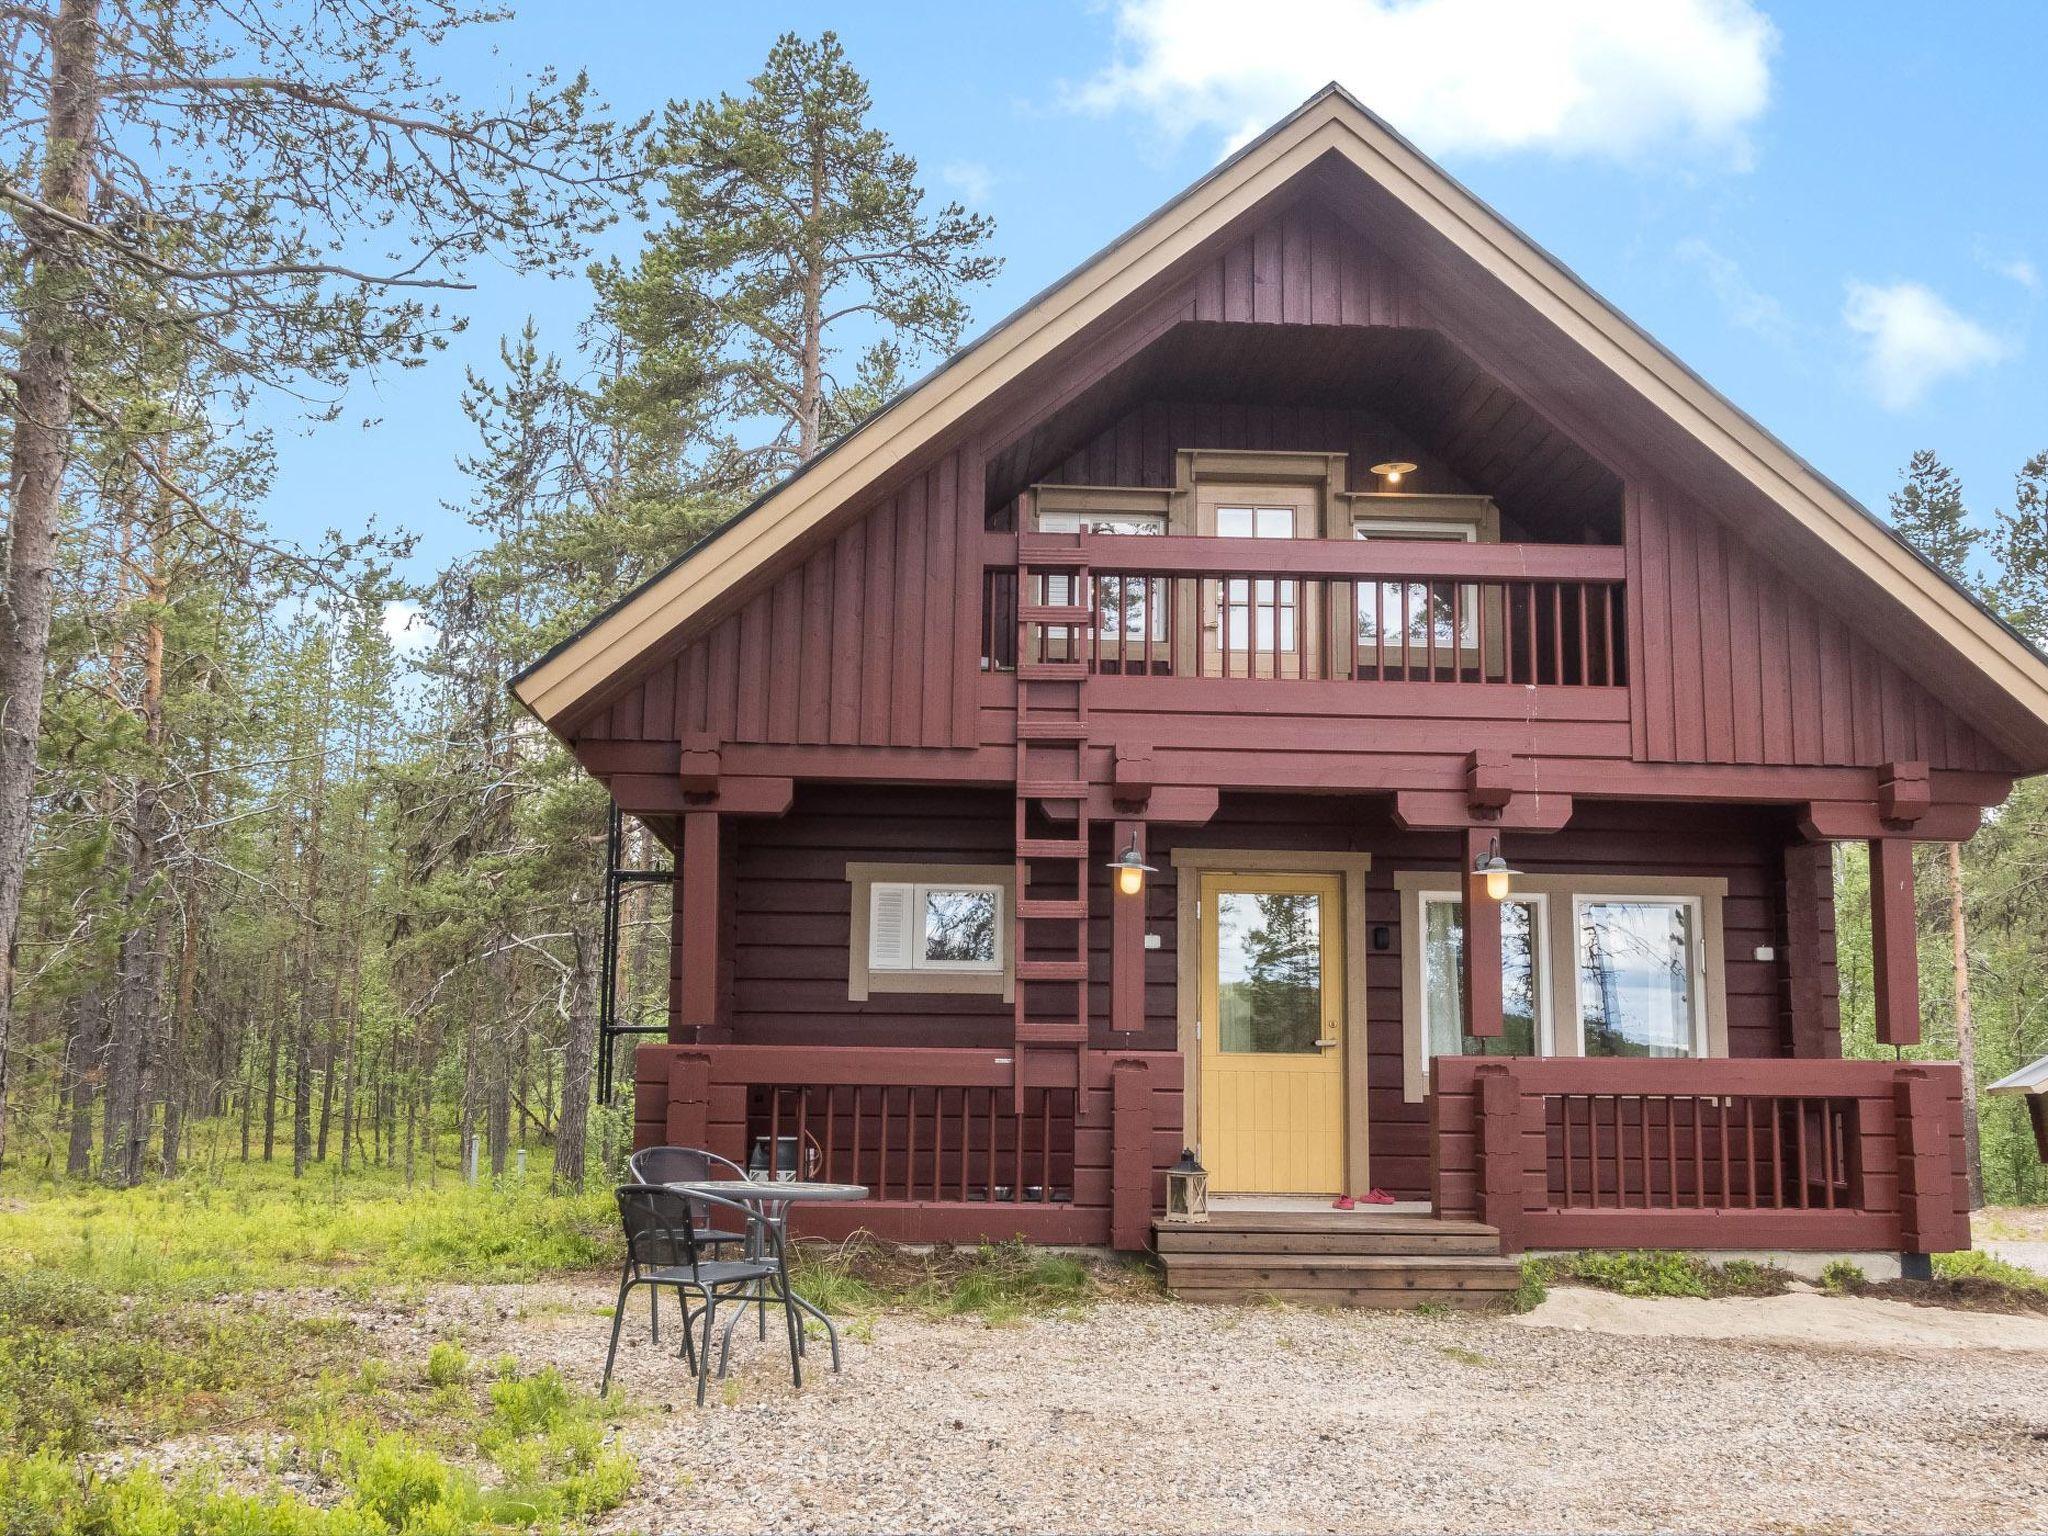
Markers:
1566,1152
1315,610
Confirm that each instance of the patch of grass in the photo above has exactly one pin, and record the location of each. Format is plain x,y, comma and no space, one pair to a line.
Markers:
1532,1288
997,1282
1976,1264
80,1364
545,1467
1462,1355
237,1227
1652,1272
1973,1281
447,1364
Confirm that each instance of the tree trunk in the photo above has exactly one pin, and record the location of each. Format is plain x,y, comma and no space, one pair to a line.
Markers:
579,1057
84,1042
43,406
1966,1023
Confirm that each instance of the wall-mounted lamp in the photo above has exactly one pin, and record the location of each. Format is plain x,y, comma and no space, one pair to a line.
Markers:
1131,870
1499,878
1393,470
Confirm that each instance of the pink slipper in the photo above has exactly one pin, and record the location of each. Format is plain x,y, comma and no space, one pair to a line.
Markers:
1345,1203
1379,1197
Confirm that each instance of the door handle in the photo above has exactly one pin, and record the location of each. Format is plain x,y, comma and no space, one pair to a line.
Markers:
1326,1045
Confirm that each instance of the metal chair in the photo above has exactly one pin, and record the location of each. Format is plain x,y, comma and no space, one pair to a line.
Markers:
662,1251
684,1165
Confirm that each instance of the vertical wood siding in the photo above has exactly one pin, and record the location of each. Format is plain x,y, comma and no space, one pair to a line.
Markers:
862,644
1737,663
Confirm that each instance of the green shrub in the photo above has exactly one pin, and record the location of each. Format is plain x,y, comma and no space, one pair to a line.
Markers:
1532,1289
1843,1277
447,1364
1976,1264
1656,1272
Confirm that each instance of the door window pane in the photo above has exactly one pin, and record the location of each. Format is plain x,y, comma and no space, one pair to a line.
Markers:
1255,522
1443,959
1269,972
1636,977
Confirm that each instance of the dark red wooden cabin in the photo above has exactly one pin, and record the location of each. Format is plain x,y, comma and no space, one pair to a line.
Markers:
1314,544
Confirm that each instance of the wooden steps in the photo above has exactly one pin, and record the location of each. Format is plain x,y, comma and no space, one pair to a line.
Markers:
1336,1259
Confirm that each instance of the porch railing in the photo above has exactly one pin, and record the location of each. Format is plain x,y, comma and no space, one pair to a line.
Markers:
949,1146
1563,1153
1321,610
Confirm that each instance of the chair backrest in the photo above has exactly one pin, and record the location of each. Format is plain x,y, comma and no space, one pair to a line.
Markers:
660,1227
679,1165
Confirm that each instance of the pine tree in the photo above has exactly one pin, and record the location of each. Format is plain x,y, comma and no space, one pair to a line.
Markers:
791,221
2020,544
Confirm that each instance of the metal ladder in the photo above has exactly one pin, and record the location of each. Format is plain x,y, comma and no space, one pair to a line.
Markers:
1052,745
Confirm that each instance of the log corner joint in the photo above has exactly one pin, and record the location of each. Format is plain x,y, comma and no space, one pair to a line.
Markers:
1903,792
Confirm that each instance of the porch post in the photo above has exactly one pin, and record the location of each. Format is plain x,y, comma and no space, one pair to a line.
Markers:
1894,941
1127,940
700,917
1482,944
1130,1153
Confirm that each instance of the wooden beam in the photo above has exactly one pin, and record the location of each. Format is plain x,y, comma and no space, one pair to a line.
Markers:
1894,941
1434,810
699,918
1482,944
642,794
1808,884
1850,821
1127,938
1131,1153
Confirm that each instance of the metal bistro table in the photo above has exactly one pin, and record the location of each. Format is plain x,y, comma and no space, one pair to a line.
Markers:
772,1198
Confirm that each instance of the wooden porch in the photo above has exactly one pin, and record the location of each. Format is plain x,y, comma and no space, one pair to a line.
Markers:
1526,1153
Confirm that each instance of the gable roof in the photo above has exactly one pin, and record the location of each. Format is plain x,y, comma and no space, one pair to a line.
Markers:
1332,122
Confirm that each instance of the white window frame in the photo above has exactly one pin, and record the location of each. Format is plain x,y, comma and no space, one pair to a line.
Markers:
920,975
1706,893
1696,969
1448,530
1057,589
1539,940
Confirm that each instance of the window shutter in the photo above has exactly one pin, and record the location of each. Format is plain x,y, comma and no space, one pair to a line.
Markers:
889,915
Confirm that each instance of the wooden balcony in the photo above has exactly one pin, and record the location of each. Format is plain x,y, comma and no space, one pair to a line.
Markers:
1310,611
1562,1152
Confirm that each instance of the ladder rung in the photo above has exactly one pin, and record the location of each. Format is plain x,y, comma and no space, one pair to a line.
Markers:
1052,970
1052,730
1052,1032
1051,848
1062,614
1048,549
1053,671
1045,906
1051,789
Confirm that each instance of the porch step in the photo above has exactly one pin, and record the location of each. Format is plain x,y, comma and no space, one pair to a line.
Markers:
1336,1259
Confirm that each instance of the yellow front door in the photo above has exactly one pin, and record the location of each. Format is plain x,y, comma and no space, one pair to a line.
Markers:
1272,1033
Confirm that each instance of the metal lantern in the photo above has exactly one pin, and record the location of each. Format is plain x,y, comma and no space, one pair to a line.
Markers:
1131,869
1187,1189
1499,877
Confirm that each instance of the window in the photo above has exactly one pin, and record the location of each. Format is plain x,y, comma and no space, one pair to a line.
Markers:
934,927
1525,1016
1121,606
1591,964
1639,971
929,928
1259,615
1416,608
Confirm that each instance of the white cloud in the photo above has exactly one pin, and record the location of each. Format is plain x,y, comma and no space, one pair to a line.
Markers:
2019,269
1742,301
1611,79
971,179
406,627
1913,338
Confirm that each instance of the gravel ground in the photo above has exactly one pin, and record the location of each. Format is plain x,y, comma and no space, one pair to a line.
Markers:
1160,1417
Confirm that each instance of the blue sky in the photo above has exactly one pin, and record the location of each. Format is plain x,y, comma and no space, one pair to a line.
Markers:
1834,212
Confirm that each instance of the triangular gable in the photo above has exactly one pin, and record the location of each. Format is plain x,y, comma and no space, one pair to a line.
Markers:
2001,680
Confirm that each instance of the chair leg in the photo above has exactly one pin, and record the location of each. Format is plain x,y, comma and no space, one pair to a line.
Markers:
618,1321
689,1339
654,1311
704,1355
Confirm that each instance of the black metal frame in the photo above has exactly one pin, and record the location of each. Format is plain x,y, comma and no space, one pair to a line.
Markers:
617,882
